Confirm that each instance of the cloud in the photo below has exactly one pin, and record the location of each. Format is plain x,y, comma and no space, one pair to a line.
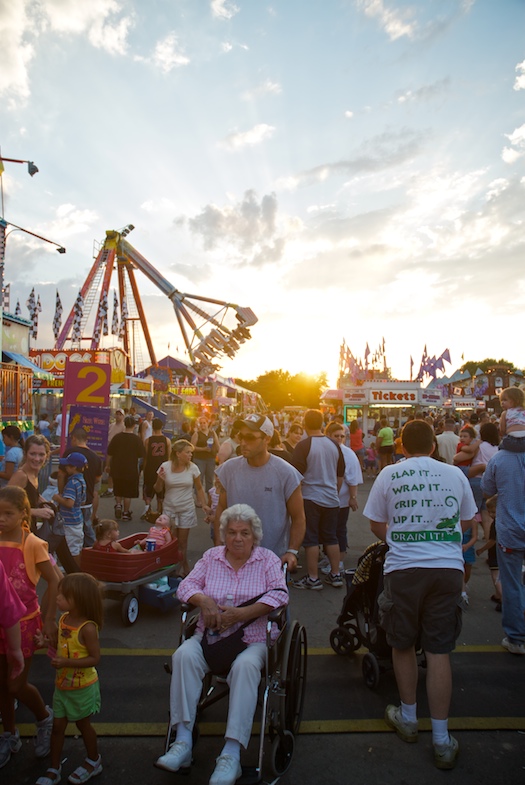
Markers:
517,140
223,9
248,227
265,88
97,19
379,153
519,84
254,136
464,235
167,56
24,21
349,114
16,52
425,93
395,23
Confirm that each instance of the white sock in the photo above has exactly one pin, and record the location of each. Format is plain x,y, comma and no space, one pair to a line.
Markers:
233,748
184,734
440,732
409,711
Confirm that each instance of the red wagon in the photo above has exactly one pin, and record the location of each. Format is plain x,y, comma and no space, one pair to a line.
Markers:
125,575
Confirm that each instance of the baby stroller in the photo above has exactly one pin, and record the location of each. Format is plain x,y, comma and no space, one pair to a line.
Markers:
358,622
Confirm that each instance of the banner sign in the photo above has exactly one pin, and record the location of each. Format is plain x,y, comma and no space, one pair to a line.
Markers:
96,424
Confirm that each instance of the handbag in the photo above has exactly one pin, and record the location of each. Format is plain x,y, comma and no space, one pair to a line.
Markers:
221,654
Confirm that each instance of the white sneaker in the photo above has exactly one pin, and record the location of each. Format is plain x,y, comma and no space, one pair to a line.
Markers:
323,564
43,735
227,770
326,569
177,757
514,648
9,743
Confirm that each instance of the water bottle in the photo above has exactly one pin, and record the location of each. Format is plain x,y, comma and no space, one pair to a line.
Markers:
209,442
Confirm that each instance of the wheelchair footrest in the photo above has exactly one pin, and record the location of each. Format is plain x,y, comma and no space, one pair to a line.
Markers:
250,776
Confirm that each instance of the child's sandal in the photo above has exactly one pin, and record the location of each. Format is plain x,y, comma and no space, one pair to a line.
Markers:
81,774
50,780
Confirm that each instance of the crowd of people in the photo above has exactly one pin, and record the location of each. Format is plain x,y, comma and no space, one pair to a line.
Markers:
439,483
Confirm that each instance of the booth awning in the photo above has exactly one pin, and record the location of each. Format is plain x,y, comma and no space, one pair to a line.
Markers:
20,359
332,395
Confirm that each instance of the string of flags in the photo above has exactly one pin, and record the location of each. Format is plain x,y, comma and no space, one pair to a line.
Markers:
430,365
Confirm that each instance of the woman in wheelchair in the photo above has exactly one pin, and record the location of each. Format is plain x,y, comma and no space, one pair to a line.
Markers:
226,577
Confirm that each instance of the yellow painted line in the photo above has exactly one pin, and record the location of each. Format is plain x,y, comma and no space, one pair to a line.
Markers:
158,729
313,652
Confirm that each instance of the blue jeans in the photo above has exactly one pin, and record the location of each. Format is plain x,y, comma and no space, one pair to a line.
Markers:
513,590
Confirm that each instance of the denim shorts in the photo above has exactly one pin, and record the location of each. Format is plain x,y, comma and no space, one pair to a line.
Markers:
422,604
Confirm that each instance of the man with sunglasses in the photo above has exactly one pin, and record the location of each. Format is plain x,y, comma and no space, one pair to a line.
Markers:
268,484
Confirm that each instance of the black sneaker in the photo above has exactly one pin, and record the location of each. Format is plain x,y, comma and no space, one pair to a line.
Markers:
334,580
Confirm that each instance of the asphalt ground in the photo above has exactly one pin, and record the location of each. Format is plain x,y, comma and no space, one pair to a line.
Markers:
343,736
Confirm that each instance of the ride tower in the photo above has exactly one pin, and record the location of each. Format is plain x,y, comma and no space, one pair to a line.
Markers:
211,329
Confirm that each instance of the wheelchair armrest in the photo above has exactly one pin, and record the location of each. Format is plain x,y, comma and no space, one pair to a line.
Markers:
278,615
185,607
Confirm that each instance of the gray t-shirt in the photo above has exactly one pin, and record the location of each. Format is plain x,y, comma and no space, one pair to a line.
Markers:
265,488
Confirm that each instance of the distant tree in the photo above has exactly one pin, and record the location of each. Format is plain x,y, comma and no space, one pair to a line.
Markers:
472,365
279,388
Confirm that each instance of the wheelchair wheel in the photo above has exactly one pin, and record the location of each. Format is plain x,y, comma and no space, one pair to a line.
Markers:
344,640
371,671
282,753
293,677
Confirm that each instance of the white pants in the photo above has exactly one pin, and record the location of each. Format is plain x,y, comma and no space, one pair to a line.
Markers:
189,668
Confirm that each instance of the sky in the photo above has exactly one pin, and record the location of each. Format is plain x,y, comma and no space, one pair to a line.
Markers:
346,168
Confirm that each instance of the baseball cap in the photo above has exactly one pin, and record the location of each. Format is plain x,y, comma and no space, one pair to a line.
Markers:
120,411
74,459
257,422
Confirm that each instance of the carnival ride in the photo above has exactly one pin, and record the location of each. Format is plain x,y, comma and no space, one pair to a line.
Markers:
211,329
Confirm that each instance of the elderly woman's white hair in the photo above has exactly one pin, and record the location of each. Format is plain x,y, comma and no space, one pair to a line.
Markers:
244,513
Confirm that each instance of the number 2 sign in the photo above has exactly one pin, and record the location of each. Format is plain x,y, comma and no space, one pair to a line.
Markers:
87,384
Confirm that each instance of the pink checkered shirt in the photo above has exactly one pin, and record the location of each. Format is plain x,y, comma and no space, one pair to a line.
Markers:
214,576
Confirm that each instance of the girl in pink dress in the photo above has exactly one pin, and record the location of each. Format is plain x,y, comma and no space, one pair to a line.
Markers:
25,558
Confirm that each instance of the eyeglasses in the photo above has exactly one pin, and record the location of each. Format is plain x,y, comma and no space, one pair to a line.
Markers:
247,437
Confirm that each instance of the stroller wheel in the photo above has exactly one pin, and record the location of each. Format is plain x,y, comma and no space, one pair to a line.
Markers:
344,640
370,671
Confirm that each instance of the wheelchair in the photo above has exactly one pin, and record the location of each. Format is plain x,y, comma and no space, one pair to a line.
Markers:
281,694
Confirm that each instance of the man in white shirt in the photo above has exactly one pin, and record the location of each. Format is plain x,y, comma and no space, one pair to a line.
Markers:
448,441
420,507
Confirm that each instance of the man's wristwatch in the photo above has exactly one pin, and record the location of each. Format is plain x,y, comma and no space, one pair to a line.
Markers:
292,550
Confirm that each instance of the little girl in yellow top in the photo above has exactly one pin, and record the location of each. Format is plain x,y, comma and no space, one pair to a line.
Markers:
77,693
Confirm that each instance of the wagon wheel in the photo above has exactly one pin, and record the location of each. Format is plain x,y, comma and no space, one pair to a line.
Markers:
130,609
